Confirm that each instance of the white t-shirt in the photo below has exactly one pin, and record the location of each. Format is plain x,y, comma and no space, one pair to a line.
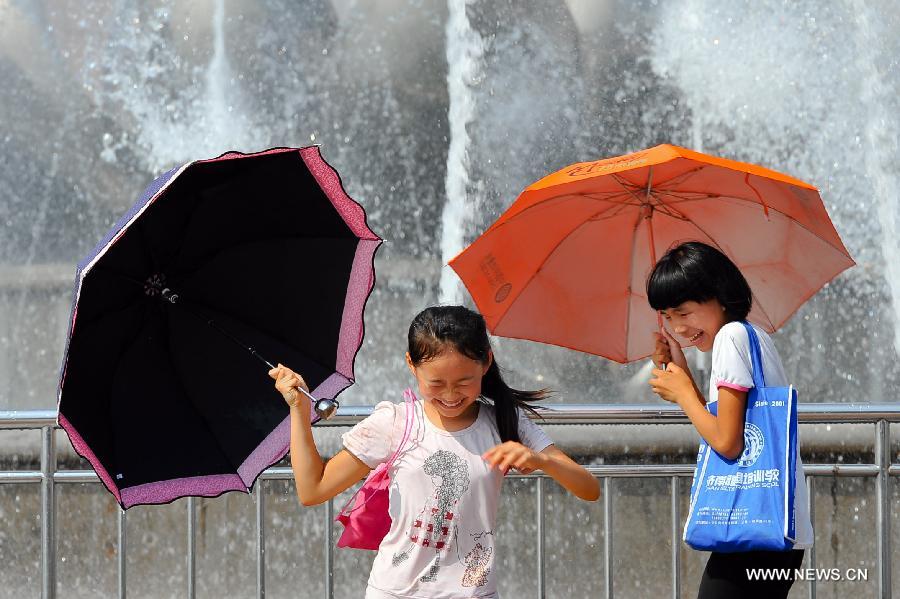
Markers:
732,367
443,502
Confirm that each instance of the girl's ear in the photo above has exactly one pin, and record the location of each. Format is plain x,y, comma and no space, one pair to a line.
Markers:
409,362
490,360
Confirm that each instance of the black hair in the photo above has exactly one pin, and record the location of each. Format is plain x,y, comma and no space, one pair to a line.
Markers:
695,271
435,328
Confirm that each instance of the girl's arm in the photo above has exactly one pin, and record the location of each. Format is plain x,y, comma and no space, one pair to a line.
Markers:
724,432
316,480
560,467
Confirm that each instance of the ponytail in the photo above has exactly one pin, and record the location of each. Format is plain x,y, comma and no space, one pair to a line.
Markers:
507,402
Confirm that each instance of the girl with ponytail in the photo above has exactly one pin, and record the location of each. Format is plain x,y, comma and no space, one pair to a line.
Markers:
469,429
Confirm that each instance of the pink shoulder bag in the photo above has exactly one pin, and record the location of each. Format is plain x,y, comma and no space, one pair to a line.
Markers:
368,521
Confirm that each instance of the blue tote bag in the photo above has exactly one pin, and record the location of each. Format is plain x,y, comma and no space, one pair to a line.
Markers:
747,504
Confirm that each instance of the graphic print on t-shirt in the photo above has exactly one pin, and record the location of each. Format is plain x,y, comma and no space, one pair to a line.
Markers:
478,562
432,526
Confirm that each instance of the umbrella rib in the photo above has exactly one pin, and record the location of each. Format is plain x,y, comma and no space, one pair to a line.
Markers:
676,179
756,203
610,199
686,196
625,185
679,177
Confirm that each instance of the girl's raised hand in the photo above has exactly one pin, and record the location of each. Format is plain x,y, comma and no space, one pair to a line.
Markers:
673,384
667,350
286,383
513,455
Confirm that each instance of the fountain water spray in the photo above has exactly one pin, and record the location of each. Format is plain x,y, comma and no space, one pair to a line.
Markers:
464,52
881,127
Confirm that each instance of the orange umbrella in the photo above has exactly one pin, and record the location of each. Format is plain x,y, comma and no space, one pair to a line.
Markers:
567,263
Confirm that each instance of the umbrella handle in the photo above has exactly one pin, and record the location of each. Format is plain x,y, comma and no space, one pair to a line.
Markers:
325,408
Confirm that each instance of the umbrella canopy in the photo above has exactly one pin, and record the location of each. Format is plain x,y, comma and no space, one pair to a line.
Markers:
263,250
567,263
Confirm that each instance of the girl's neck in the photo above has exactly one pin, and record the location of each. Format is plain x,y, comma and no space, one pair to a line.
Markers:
451,424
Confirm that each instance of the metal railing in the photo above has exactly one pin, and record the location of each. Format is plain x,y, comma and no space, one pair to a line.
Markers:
880,415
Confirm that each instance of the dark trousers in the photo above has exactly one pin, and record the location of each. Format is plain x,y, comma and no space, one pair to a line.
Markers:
725,576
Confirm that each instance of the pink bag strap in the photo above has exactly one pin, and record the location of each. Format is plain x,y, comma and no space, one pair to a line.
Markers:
410,398
410,415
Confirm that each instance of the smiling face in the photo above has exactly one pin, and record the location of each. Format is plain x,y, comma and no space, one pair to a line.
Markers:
450,384
697,322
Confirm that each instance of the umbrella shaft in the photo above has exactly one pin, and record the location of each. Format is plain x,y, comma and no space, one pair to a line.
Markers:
173,299
323,407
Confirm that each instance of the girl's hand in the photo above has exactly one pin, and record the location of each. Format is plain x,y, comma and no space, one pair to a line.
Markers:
513,455
673,384
286,383
667,350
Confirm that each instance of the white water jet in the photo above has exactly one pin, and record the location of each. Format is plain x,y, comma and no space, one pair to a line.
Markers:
218,72
464,53
881,127
635,387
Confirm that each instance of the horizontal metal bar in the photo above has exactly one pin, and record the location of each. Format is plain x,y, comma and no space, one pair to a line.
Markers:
564,414
27,418
861,470
21,477
76,476
36,476
653,414
610,470
278,473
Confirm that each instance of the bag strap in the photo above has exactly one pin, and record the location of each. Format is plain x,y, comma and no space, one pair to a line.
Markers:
410,414
759,377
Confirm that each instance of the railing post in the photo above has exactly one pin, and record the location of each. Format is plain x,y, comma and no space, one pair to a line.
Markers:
542,573
329,550
120,558
811,493
192,547
260,540
883,506
48,513
676,539
608,535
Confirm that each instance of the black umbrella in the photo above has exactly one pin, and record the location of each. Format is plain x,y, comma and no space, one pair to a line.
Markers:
220,262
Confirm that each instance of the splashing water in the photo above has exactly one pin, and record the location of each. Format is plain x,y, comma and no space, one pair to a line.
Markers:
185,113
881,128
816,99
464,51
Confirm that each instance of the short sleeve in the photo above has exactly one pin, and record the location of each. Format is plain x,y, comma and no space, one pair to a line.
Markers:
531,435
371,439
731,364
